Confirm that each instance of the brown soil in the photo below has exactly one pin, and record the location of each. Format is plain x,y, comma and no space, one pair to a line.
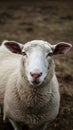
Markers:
51,21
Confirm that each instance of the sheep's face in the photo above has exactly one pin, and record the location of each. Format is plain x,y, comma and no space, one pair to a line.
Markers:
37,57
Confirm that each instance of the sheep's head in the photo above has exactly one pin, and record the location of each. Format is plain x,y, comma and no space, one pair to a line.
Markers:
37,57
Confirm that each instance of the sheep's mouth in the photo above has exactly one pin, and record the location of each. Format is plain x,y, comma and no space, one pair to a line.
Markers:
36,82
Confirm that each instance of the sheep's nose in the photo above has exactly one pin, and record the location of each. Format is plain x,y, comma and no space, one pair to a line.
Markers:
35,75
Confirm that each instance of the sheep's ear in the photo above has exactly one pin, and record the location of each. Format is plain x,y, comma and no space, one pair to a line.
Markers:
13,46
61,48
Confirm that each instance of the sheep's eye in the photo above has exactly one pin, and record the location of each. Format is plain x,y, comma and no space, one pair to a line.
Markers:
24,53
49,54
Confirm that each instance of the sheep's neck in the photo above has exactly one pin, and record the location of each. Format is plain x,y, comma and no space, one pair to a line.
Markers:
34,97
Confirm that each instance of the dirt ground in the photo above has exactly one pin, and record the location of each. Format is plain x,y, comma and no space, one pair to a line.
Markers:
51,21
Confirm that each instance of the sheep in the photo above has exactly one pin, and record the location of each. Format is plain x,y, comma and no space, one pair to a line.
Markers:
29,90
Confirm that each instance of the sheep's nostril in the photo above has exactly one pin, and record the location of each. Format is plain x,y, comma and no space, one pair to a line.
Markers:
35,75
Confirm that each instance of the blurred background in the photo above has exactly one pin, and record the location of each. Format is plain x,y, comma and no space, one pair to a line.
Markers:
50,20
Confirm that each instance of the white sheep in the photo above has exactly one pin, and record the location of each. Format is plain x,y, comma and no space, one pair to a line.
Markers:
29,90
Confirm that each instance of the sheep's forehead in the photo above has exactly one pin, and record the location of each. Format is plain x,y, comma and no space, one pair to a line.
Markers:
37,45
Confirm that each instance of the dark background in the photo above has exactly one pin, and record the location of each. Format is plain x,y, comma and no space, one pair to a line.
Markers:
46,20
